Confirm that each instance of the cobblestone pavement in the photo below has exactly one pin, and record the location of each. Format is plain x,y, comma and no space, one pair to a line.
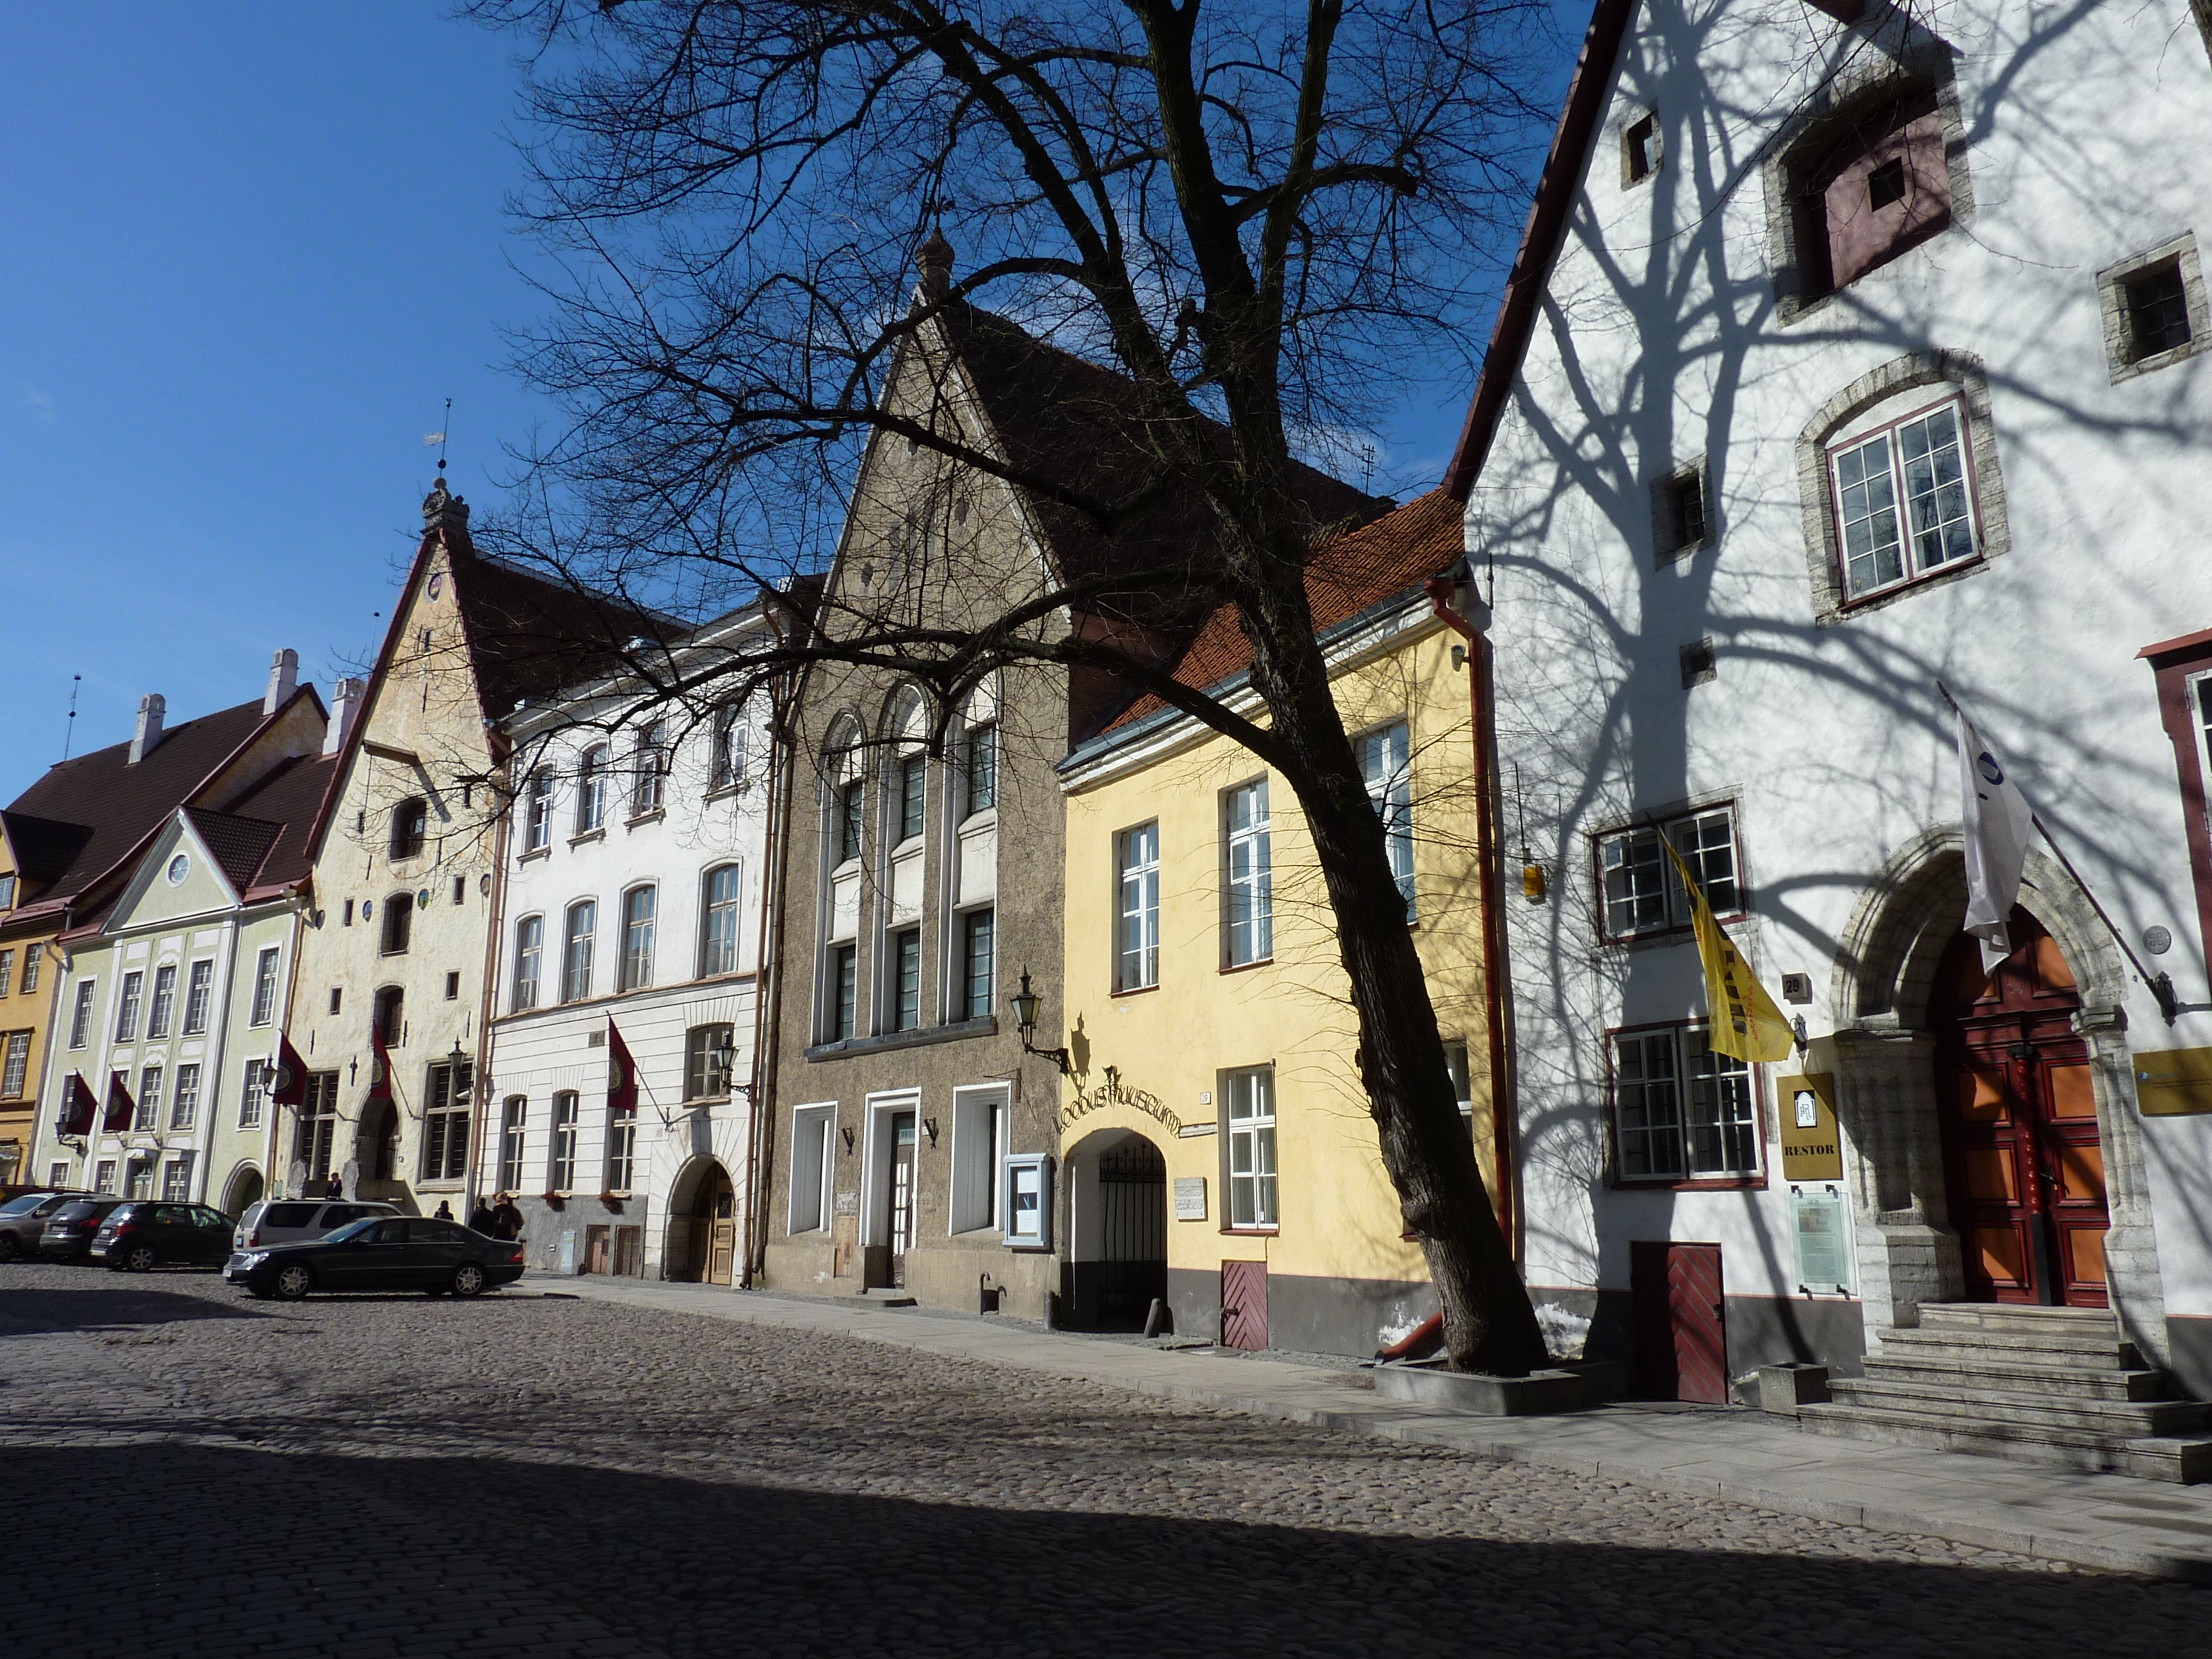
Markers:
197,1473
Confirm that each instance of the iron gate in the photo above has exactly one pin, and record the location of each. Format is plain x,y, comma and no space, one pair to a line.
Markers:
1132,1197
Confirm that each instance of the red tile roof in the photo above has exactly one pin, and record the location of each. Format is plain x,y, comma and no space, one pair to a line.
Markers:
1350,576
262,840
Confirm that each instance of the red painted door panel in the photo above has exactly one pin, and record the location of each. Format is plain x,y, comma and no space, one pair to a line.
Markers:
1244,1305
1681,1319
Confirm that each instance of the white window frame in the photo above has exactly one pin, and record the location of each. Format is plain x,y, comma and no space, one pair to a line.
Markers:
577,949
152,1081
649,769
184,1097
1137,907
252,1096
177,1178
621,1157
592,767
1251,1169
1895,483
1386,763
1640,896
80,1015
1248,923
564,1131
103,1177
127,1004
721,921
199,993
979,1116
537,811
1693,1122
16,1067
640,915
1025,1201
727,770
813,1166
160,1009
514,1141
264,987
529,961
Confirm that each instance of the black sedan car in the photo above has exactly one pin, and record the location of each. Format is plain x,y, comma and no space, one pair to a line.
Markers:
140,1236
70,1230
401,1253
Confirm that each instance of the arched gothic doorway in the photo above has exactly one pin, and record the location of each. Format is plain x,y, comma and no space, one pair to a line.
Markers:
705,1222
2016,1099
1117,1263
376,1151
243,1188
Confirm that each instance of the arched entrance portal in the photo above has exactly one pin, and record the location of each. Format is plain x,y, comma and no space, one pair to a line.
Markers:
2016,1102
703,1225
376,1151
243,1188
1117,1263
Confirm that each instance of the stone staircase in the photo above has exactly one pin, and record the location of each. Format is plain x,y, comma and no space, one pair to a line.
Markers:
2042,1385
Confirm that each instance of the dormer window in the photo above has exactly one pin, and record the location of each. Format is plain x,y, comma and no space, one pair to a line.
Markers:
410,827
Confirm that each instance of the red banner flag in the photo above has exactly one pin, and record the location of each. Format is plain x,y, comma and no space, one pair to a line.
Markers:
121,1108
289,1086
379,1067
621,1073
78,1107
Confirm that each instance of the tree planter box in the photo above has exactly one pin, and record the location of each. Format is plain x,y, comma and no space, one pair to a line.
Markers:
1537,1394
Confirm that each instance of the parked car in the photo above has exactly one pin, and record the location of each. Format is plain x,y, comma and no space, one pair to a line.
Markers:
70,1230
23,1219
287,1220
399,1253
139,1237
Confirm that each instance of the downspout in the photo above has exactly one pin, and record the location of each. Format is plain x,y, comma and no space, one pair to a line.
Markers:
487,997
768,979
1504,1094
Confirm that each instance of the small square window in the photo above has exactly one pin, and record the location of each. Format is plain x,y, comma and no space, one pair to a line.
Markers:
2157,305
1640,154
1698,664
337,998
1885,185
1678,502
452,988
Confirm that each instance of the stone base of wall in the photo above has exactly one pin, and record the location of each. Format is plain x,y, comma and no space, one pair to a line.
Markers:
1762,1330
2189,1340
1309,1314
949,1276
543,1227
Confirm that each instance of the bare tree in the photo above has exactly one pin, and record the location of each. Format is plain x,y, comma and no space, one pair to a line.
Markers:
1260,215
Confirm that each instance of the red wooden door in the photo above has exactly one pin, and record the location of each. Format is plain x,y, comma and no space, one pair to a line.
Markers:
1681,1319
2022,1162
1244,1305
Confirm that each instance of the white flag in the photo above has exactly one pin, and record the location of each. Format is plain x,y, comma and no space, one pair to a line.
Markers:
1997,824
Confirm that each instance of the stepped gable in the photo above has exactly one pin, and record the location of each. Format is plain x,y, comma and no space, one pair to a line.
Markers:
109,805
1061,418
1351,573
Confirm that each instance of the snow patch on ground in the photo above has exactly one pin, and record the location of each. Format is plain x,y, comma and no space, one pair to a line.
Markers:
1563,1332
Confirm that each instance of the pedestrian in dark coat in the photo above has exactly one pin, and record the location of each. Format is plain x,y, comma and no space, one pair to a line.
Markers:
506,1220
481,1221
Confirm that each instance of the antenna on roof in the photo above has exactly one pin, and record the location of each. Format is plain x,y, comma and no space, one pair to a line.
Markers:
439,439
69,738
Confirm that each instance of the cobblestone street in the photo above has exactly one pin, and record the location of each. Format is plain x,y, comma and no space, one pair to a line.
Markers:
202,1474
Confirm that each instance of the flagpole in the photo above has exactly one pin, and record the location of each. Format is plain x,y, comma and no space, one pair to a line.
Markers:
2160,986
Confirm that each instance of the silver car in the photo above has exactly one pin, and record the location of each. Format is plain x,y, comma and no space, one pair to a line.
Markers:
287,1220
23,1219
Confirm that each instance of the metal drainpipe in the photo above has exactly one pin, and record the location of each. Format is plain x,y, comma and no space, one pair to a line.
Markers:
768,980
480,1082
1504,1096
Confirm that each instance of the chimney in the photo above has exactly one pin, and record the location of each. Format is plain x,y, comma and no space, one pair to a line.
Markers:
345,704
151,708
936,262
283,678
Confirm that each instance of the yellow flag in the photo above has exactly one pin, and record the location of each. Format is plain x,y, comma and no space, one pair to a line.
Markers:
1745,1021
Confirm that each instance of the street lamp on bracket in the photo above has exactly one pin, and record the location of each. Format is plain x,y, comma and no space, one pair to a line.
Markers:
1026,1005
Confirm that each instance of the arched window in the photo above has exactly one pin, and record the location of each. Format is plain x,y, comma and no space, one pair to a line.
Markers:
398,923
576,950
639,908
721,904
728,771
529,956
388,1015
649,786
592,790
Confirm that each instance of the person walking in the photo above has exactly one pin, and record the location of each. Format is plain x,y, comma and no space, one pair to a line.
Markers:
507,1219
445,1212
481,1220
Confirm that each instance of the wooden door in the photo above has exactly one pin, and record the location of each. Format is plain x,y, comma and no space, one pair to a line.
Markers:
1681,1319
630,1252
595,1249
1244,1305
2023,1163
901,1194
722,1250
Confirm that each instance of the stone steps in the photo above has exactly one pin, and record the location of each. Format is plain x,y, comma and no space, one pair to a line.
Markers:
2046,1385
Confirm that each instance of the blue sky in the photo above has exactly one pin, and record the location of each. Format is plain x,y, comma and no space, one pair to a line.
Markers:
250,249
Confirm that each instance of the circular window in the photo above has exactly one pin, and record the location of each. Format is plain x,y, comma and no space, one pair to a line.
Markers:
423,899
180,867
437,583
367,908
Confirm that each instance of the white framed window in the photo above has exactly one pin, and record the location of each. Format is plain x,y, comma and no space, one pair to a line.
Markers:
1904,499
138,1175
980,769
1249,932
1137,907
184,1108
252,1098
264,987
150,1079
1462,1079
103,1177
728,771
161,1011
58,1175
1026,1200
576,950
1249,1106
537,813
978,936
1682,1111
906,980
721,909
126,1008
812,1164
177,1179
639,905
591,789
1643,893
199,987
845,991
7,970
142,1121
81,1018
17,1067
649,773
33,955
514,1141
1386,763
979,1143
561,1146
622,1150
710,1060
446,1112
529,959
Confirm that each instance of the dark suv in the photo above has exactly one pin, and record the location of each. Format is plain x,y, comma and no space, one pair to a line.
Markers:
71,1229
139,1237
23,1219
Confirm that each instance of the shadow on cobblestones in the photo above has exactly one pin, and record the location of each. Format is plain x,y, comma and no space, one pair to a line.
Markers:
325,1556
126,1304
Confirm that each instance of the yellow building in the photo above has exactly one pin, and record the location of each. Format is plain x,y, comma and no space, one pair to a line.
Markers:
1215,1097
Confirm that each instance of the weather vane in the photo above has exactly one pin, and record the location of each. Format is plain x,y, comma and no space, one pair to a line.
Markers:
439,438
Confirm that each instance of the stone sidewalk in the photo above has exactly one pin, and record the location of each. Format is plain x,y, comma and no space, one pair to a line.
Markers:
2092,1520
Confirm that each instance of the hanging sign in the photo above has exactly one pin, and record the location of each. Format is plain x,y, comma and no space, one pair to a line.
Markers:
1812,1149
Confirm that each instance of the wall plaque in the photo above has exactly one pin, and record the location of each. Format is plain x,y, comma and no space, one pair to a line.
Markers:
1812,1150
849,1204
2173,1082
1190,1198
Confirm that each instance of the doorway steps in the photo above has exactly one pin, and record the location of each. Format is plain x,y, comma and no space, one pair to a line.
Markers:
2040,1385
